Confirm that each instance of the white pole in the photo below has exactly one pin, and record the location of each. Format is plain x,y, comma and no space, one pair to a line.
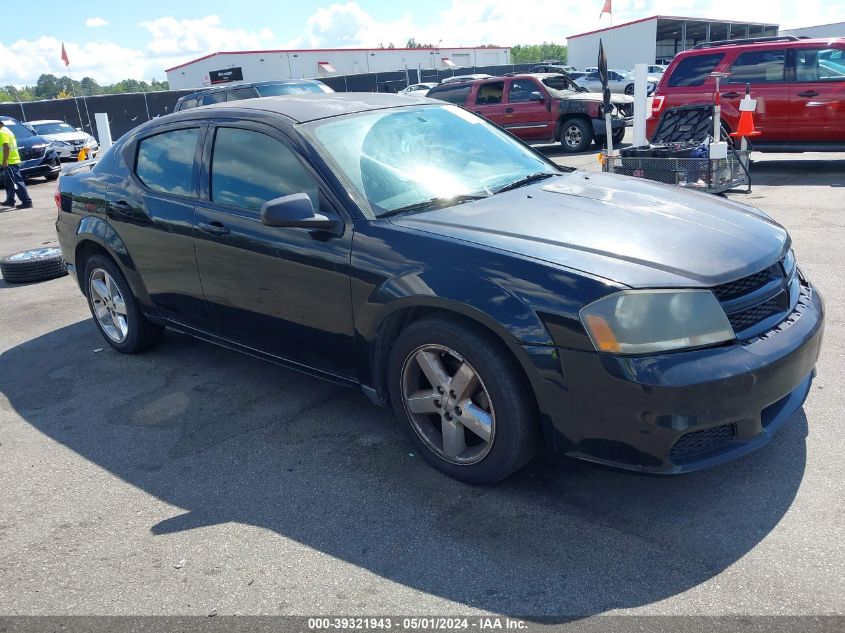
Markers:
103,130
640,104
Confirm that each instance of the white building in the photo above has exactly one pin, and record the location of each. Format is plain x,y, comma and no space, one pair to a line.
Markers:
656,39
823,30
225,67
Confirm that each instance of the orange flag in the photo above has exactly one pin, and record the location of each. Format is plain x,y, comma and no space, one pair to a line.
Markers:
67,61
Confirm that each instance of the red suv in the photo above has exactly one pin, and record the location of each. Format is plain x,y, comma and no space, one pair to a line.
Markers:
799,85
542,107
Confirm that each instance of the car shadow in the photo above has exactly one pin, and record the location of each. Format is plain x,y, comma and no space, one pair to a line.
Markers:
225,437
775,172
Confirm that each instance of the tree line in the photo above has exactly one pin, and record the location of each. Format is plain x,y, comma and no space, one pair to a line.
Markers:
52,87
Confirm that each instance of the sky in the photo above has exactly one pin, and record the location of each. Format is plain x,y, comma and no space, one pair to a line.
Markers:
113,40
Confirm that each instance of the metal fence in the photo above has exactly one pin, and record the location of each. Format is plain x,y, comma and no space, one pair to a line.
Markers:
125,111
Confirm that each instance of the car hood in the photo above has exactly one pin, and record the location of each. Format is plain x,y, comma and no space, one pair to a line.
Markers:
67,136
569,95
627,230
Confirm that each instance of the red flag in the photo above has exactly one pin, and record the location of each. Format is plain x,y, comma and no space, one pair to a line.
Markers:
67,61
606,9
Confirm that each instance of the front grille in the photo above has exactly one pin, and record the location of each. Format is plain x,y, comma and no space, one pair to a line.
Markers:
755,298
753,315
30,154
626,109
699,442
734,289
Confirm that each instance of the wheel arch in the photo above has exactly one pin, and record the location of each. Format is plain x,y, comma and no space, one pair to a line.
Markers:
401,313
96,236
566,116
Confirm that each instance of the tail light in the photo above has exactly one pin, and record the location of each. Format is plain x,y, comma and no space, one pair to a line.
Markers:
657,105
58,198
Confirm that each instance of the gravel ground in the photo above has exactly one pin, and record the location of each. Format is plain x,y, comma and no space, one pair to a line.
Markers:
193,480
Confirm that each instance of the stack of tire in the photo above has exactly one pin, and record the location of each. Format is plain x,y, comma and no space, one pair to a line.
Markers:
38,264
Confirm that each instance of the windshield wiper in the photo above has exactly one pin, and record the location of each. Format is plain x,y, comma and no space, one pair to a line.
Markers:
434,203
540,175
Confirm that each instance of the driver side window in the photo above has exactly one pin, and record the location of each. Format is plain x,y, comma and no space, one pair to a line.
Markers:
249,168
520,90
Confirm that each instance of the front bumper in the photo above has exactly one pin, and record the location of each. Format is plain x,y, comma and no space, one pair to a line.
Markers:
683,411
615,123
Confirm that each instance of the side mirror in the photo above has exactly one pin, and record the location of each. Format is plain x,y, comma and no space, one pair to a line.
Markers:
295,211
79,129
536,96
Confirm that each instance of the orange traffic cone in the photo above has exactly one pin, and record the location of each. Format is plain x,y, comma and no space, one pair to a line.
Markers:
746,125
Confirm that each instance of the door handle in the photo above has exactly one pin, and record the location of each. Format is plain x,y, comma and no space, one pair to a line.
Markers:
121,206
215,228
730,95
808,93
508,110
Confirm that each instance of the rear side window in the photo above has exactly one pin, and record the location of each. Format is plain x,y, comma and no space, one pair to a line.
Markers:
249,168
214,97
820,64
187,103
694,70
764,66
166,161
490,93
452,94
241,93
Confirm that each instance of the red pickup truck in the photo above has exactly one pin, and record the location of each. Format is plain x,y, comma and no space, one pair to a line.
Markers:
541,107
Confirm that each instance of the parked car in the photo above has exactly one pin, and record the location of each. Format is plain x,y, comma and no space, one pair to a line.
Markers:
799,85
418,89
496,301
38,158
553,68
619,81
67,140
541,108
236,92
459,78
656,69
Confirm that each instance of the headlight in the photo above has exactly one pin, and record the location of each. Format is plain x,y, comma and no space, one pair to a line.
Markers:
649,321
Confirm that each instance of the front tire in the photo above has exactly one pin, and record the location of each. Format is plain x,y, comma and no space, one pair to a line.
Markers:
463,404
115,309
629,90
576,135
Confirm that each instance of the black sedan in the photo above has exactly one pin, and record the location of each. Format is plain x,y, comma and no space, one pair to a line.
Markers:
411,249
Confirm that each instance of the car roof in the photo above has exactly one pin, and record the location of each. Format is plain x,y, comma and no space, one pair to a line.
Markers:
311,107
780,42
47,121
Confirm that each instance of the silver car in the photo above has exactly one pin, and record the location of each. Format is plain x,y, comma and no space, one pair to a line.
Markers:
619,81
66,140
420,90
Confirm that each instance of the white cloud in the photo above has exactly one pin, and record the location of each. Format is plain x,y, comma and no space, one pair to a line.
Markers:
96,22
347,24
204,35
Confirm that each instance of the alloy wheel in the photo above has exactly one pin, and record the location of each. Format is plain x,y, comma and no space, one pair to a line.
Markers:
573,137
109,305
448,404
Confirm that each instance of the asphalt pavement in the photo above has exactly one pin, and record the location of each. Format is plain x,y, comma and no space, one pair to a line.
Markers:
193,480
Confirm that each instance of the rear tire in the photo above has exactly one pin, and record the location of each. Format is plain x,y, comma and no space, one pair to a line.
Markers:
629,90
115,310
482,427
576,135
